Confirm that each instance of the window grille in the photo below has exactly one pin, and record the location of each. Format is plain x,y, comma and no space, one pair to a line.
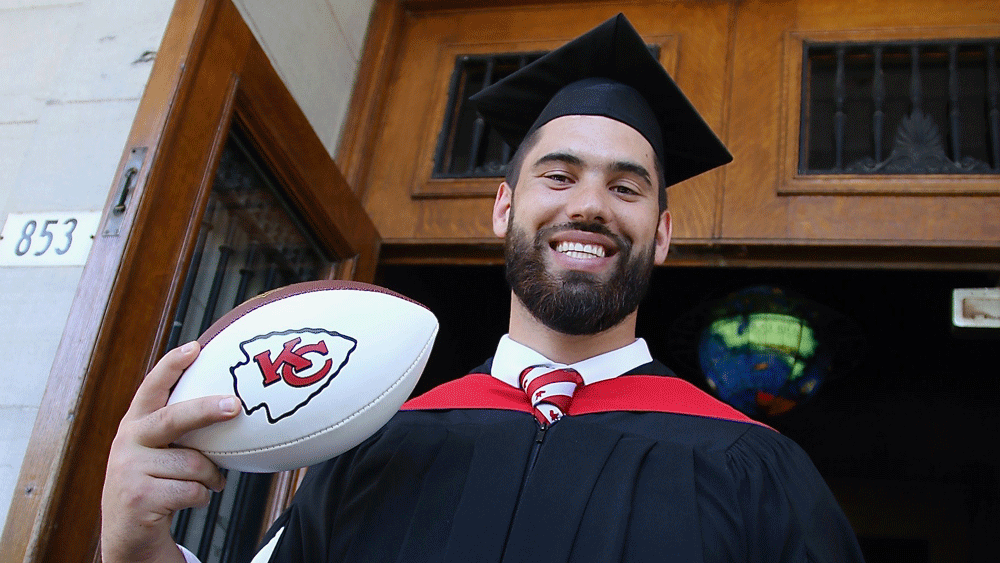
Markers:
900,108
467,147
250,241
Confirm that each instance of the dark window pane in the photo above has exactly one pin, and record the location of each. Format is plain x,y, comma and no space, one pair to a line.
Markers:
899,108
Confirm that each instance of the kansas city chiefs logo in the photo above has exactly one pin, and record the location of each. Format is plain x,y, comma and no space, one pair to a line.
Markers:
282,371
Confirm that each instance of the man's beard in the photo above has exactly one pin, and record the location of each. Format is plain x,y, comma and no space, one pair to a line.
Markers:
575,302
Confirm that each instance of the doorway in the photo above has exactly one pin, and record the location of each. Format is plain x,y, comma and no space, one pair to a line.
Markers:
906,439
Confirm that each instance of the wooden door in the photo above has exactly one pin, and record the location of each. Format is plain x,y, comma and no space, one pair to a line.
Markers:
209,74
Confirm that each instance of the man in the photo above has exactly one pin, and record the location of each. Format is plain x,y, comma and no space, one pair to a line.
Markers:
606,458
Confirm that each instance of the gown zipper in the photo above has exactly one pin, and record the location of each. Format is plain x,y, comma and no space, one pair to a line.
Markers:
532,458
539,438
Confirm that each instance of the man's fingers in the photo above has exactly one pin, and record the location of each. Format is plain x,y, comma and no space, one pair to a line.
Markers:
185,494
147,481
183,464
165,425
155,504
155,388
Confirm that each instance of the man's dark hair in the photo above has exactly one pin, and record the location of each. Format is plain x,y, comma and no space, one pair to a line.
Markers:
517,162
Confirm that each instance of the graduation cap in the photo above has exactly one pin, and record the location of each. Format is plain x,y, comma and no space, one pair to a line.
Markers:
610,72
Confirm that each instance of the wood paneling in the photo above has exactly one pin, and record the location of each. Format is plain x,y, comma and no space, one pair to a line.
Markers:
767,202
208,69
740,62
410,208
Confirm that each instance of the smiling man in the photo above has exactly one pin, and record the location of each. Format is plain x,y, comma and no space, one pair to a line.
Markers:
571,443
584,231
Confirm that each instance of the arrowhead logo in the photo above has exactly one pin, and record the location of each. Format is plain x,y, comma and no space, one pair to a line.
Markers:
282,371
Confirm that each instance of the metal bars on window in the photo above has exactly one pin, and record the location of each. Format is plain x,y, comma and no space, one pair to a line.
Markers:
466,147
250,241
900,108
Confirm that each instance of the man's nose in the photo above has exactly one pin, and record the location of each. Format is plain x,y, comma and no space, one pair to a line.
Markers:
587,201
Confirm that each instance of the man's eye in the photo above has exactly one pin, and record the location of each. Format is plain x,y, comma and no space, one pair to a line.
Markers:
625,190
560,178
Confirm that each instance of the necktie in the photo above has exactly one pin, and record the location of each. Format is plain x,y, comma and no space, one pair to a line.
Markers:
550,391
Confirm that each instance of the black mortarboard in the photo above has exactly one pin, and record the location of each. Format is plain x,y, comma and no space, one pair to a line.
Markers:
608,71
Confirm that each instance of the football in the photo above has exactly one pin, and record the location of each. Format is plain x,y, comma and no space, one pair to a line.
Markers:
318,367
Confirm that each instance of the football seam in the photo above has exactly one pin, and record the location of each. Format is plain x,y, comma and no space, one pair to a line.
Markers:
303,288
353,415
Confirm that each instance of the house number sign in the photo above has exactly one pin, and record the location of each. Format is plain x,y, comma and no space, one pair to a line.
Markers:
61,238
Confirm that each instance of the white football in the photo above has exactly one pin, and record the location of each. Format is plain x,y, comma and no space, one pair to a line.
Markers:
318,367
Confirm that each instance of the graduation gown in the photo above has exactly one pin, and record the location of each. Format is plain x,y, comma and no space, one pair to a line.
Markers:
466,474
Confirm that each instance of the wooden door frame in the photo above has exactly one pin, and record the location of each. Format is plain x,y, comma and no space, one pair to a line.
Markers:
209,70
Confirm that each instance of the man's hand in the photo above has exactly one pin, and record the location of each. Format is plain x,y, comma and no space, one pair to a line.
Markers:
147,480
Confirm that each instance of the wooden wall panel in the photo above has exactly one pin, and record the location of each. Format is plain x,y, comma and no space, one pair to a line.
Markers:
740,62
894,221
409,209
750,208
766,201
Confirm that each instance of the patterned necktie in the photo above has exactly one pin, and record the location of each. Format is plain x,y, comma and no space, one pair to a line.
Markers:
550,391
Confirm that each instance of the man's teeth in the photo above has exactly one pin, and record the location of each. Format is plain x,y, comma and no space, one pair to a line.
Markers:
580,250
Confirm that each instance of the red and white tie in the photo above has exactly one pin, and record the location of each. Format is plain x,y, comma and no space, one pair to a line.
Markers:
550,391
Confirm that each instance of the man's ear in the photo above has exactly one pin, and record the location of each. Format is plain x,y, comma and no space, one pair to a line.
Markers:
501,210
664,230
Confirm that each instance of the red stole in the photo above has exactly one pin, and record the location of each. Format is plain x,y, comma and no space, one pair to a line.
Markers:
636,393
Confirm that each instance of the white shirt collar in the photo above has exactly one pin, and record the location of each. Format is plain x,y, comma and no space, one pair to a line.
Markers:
512,357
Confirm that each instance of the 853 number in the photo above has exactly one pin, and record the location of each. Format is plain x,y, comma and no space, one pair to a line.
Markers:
28,236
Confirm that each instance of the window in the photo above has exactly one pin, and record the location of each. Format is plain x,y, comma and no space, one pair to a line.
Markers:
466,147
899,107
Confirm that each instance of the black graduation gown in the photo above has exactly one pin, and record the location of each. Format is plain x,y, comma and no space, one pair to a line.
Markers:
487,484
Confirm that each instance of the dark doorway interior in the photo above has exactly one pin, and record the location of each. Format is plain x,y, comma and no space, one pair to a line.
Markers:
918,413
